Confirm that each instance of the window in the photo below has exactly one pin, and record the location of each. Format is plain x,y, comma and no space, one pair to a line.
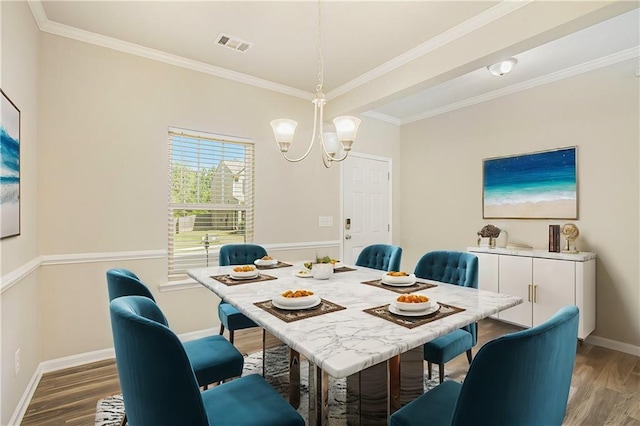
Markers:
210,197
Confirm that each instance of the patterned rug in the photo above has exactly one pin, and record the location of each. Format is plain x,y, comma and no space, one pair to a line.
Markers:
110,409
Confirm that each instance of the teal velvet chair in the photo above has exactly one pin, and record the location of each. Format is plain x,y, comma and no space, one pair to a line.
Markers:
380,256
521,378
158,384
213,358
236,254
457,268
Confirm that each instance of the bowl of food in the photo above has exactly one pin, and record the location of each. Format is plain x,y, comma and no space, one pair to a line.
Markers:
244,272
296,299
266,261
396,277
413,302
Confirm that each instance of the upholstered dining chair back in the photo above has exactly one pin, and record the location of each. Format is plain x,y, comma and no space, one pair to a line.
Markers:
156,377
453,267
524,377
240,254
123,282
380,256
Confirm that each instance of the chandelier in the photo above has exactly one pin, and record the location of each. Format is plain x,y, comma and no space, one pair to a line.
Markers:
331,142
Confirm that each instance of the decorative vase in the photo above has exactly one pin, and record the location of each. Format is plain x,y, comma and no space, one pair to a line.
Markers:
322,271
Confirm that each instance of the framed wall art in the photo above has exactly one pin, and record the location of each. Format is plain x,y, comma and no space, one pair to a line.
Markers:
538,185
9,168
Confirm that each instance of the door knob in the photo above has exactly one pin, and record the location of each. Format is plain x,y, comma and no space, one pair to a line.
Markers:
347,237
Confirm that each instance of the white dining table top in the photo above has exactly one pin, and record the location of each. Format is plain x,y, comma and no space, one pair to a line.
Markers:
348,341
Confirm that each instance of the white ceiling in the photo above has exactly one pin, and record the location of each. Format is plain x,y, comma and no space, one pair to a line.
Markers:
357,37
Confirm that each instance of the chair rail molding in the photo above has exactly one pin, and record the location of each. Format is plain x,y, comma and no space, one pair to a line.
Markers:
12,278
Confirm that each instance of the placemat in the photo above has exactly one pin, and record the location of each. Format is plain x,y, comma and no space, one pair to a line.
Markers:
344,269
402,290
412,322
289,316
227,280
276,266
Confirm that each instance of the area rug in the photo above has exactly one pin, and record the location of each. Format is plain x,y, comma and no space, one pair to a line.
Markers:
109,410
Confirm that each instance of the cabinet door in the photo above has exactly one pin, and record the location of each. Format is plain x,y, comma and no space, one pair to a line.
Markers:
487,271
515,279
554,287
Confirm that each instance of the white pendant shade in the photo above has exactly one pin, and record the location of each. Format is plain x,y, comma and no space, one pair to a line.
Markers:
331,142
283,130
346,127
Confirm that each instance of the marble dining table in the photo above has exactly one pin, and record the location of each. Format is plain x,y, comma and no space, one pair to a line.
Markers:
381,359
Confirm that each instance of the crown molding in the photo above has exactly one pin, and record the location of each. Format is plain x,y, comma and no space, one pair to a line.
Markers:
67,31
382,117
605,61
38,13
478,21
488,16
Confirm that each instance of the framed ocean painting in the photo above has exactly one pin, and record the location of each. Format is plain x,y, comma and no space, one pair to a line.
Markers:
538,185
9,168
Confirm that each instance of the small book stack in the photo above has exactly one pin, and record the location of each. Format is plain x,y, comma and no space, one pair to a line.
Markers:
554,238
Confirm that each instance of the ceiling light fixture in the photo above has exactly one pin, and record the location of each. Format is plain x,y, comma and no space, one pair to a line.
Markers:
346,126
503,67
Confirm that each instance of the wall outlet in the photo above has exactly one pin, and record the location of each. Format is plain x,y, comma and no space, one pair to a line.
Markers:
17,361
325,221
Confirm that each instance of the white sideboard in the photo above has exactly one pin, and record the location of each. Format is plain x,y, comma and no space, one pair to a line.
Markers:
544,280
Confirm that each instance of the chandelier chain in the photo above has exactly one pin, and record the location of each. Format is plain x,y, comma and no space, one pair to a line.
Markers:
319,42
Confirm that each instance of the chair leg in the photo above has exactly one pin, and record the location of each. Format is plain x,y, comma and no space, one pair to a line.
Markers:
221,329
441,371
264,351
231,336
429,369
469,356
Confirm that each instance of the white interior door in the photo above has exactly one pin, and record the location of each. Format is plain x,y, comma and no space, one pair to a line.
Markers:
366,219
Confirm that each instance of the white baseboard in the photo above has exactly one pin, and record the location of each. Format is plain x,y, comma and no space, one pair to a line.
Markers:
74,361
23,404
614,344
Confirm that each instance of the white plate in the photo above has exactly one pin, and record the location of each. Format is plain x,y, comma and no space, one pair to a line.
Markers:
261,262
399,281
304,274
311,304
394,310
244,275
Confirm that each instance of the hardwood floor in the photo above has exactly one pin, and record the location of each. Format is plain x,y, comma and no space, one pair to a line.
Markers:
606,384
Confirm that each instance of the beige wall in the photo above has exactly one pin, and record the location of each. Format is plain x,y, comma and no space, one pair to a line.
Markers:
598,112
18,304
104,189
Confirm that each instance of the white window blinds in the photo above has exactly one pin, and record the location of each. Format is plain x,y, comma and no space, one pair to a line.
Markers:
211,192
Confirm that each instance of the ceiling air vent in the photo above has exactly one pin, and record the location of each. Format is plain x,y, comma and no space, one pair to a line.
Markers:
233,43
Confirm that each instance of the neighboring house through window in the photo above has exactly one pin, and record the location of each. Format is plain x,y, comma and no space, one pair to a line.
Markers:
211,197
